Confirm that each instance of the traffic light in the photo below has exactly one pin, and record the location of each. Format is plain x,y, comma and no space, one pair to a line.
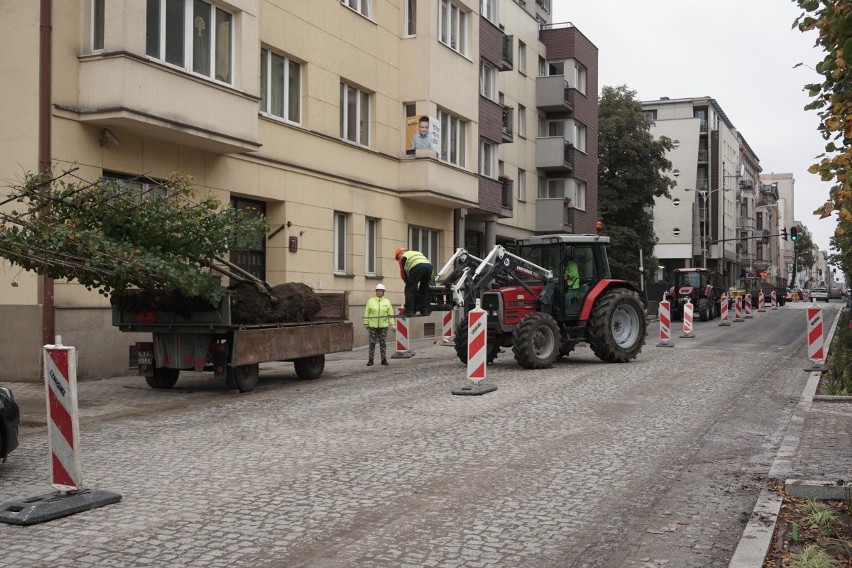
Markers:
794,234
784,233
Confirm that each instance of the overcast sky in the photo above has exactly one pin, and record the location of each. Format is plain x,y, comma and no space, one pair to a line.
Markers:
739,52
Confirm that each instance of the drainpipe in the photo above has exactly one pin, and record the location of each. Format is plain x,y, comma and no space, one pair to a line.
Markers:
48,313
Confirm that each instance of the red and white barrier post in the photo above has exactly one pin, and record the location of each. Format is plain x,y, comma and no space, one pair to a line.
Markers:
63,431
761,302
664,312
748,313
402,350
446,329
738,310
723,310
774,299
816,352
477,352
686,330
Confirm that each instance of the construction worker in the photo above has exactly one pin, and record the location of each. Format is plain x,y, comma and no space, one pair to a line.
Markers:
416,271
378,317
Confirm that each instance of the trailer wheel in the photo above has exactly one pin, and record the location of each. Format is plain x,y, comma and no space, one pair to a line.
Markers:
537,341
460,344
616,330
242,378
310,367
705,309
164,378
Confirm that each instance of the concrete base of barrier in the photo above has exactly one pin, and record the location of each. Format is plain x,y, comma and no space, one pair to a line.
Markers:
724,323
688,335
475,389
816,368
54,506
403,355
665,343
446,341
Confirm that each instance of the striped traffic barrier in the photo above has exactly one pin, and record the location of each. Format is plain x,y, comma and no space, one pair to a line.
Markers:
446,329
477,350
738,310
761,302
815,340
686,330
63,431
774,299
664,312
748,314
723,310
402,350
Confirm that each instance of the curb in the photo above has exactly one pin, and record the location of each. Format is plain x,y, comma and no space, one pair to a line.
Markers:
757,536
818,489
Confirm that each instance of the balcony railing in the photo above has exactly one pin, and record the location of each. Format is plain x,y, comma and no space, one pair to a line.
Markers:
508,127
553,153
552,94
507,199
508,53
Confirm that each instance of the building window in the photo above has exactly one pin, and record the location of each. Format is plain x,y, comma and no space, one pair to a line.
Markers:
452,139
676,202
522,185
578,195
194,35
522,58
488,81
452,26
545,4
580,78
425,241
280,86
542,66
488,166
651,116
552,188
250,255
759,251
341,243
363,7
488,9
522,121
759,220
676,232
555,68
580,136
371,240
97,24
354,115
410,18
551,128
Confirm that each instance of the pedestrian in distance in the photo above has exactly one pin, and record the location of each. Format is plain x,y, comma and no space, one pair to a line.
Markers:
416,271
378,317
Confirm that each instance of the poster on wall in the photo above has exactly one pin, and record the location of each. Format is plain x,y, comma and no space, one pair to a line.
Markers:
423,132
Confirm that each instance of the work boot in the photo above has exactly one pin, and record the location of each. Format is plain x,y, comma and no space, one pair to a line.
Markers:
370,363
384,361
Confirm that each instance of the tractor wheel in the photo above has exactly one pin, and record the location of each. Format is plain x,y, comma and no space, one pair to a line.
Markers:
164,378
243,377
616,330
309,368
705,309
460,344
537,341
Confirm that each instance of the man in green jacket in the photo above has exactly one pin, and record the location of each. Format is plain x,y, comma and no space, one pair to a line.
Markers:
378,317
416,271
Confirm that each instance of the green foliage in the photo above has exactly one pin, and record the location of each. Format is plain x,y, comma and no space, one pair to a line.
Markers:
813,557
805,251
111,235
820,515
632,166
838,379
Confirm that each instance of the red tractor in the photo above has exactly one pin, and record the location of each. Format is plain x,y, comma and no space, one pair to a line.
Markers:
553,292
695,285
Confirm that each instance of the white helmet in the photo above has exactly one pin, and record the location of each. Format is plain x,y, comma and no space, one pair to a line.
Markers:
380,286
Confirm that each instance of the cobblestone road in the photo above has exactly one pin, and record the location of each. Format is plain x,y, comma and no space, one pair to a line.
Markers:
657,462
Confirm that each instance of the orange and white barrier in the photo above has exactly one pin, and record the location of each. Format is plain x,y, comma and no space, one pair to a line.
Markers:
723,310
748,313
761,302
60,377
446,329
815,339
402,350
477,341
774,299
688,313
738,310
664,312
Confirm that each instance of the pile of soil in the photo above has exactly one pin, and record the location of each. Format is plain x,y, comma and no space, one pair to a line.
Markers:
284,303
251,303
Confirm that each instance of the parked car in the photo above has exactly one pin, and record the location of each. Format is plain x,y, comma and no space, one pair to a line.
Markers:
835,293
819,293
10,418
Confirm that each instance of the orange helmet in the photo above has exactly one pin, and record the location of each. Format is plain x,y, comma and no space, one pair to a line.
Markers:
398,252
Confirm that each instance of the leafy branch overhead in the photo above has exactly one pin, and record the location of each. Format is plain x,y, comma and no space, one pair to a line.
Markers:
112,235
832,100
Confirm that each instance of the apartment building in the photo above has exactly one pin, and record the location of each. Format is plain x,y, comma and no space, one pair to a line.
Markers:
309,113
783,186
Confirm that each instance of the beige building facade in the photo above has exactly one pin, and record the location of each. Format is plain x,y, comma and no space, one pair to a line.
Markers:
304,111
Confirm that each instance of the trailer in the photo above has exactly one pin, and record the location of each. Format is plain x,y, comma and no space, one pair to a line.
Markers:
207,340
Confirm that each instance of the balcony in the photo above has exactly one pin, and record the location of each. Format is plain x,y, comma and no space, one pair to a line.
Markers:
553,154
131,94
702,156
552,94
745,224
508,128
507,62
552,216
